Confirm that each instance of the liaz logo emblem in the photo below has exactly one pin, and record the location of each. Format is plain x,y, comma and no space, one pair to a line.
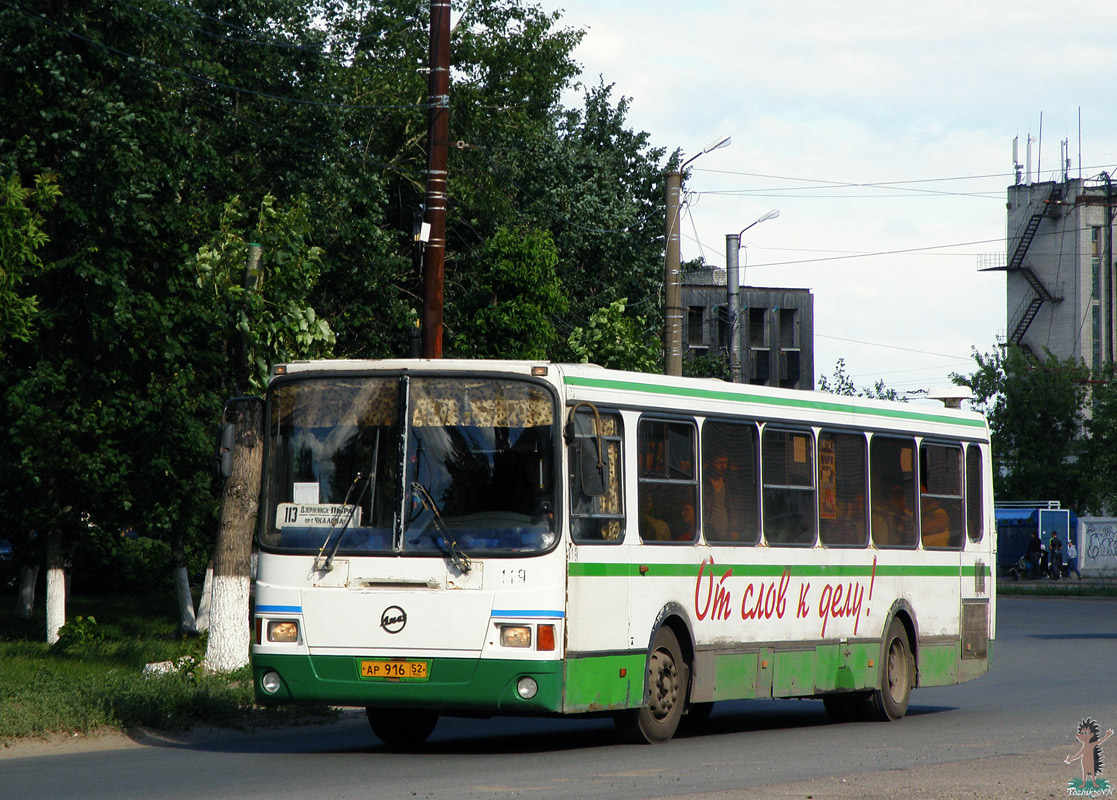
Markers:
393,619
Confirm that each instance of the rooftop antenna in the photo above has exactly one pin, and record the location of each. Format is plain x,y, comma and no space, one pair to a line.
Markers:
1039,151
1080,143
1016,158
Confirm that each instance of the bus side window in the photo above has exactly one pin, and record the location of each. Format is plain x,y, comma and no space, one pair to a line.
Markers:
975,510
789,489
598,518
730,486
892,491
842,521
668,481
940,495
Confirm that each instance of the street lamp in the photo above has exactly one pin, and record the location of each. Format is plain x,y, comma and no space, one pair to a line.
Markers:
733,285
673,329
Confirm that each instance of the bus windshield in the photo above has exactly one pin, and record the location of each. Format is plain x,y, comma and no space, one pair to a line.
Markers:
410,465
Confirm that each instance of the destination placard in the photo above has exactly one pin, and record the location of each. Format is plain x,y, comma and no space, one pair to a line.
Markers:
315,515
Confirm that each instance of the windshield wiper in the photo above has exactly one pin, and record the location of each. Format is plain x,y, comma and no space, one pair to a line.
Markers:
328,565
451,548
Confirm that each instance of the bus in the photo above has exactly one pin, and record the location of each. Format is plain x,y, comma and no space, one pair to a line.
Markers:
482,538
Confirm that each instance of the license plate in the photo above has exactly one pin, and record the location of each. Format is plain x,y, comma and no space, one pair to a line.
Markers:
393,670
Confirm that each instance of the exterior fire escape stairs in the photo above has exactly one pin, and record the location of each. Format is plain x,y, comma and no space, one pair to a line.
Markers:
1041,294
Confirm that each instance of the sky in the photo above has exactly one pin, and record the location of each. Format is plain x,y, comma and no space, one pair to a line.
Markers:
883,133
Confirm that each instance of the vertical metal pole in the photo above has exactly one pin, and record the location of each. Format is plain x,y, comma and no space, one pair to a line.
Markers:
434,257
1108,271
733,287
672,334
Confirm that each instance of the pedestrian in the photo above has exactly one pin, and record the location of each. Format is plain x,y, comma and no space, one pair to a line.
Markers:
1072,558
1055,557
1033,555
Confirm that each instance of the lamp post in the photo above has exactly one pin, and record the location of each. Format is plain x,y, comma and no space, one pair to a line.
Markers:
733,286
673,327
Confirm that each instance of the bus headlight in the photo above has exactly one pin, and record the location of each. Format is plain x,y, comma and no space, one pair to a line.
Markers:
270,682
526,687
285,631
515,636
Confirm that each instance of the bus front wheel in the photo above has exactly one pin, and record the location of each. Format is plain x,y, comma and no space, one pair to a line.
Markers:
897,675
668,677
398,727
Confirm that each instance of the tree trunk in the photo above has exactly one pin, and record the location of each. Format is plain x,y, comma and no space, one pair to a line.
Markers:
206,599
187,624
229,633
56,585
28,578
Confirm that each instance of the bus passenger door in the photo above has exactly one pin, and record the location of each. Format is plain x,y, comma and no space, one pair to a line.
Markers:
599,673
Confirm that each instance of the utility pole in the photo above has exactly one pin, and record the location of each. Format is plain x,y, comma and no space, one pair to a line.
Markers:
434,256
673,326
733,286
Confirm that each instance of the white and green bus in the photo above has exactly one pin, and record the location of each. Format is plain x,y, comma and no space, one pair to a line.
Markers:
480,538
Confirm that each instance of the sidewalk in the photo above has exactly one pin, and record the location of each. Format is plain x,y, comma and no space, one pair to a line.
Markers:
1100,584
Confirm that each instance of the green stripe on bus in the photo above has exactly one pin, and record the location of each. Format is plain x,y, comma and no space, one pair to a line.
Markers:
582,569
787,402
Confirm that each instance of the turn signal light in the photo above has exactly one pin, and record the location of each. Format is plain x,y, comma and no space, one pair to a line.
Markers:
545,637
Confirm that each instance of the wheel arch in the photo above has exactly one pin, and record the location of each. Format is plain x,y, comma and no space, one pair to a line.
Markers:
675,617
902,611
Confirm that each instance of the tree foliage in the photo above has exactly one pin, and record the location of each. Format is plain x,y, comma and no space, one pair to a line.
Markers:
21,236
1035,413
842,384
614,340
163,124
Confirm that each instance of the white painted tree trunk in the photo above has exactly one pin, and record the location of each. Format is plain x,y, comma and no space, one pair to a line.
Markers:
56,602
25,603
56,586
205,601
230,631
186,620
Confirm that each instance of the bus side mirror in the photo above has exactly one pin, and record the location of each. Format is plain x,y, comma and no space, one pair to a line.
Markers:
223,450
592,466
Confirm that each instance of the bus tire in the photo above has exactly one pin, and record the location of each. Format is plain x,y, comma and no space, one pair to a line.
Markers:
398,727
897,676
667,679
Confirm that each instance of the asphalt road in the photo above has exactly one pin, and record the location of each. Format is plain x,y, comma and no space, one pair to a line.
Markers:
1004,735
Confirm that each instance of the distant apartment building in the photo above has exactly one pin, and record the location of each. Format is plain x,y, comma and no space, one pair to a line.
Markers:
776,329
1060,270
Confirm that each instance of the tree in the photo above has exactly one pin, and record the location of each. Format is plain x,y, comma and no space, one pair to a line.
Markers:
615,340
21,236
513,292
843,385
1034,408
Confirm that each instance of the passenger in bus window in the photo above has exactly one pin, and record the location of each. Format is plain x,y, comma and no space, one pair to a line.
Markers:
893,517
686,528
652,528
715,506
934,522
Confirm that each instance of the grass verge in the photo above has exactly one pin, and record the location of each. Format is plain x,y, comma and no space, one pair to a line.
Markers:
93,678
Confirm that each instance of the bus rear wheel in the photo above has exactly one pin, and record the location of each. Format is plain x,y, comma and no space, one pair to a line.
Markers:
667,678
398,727
897,676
